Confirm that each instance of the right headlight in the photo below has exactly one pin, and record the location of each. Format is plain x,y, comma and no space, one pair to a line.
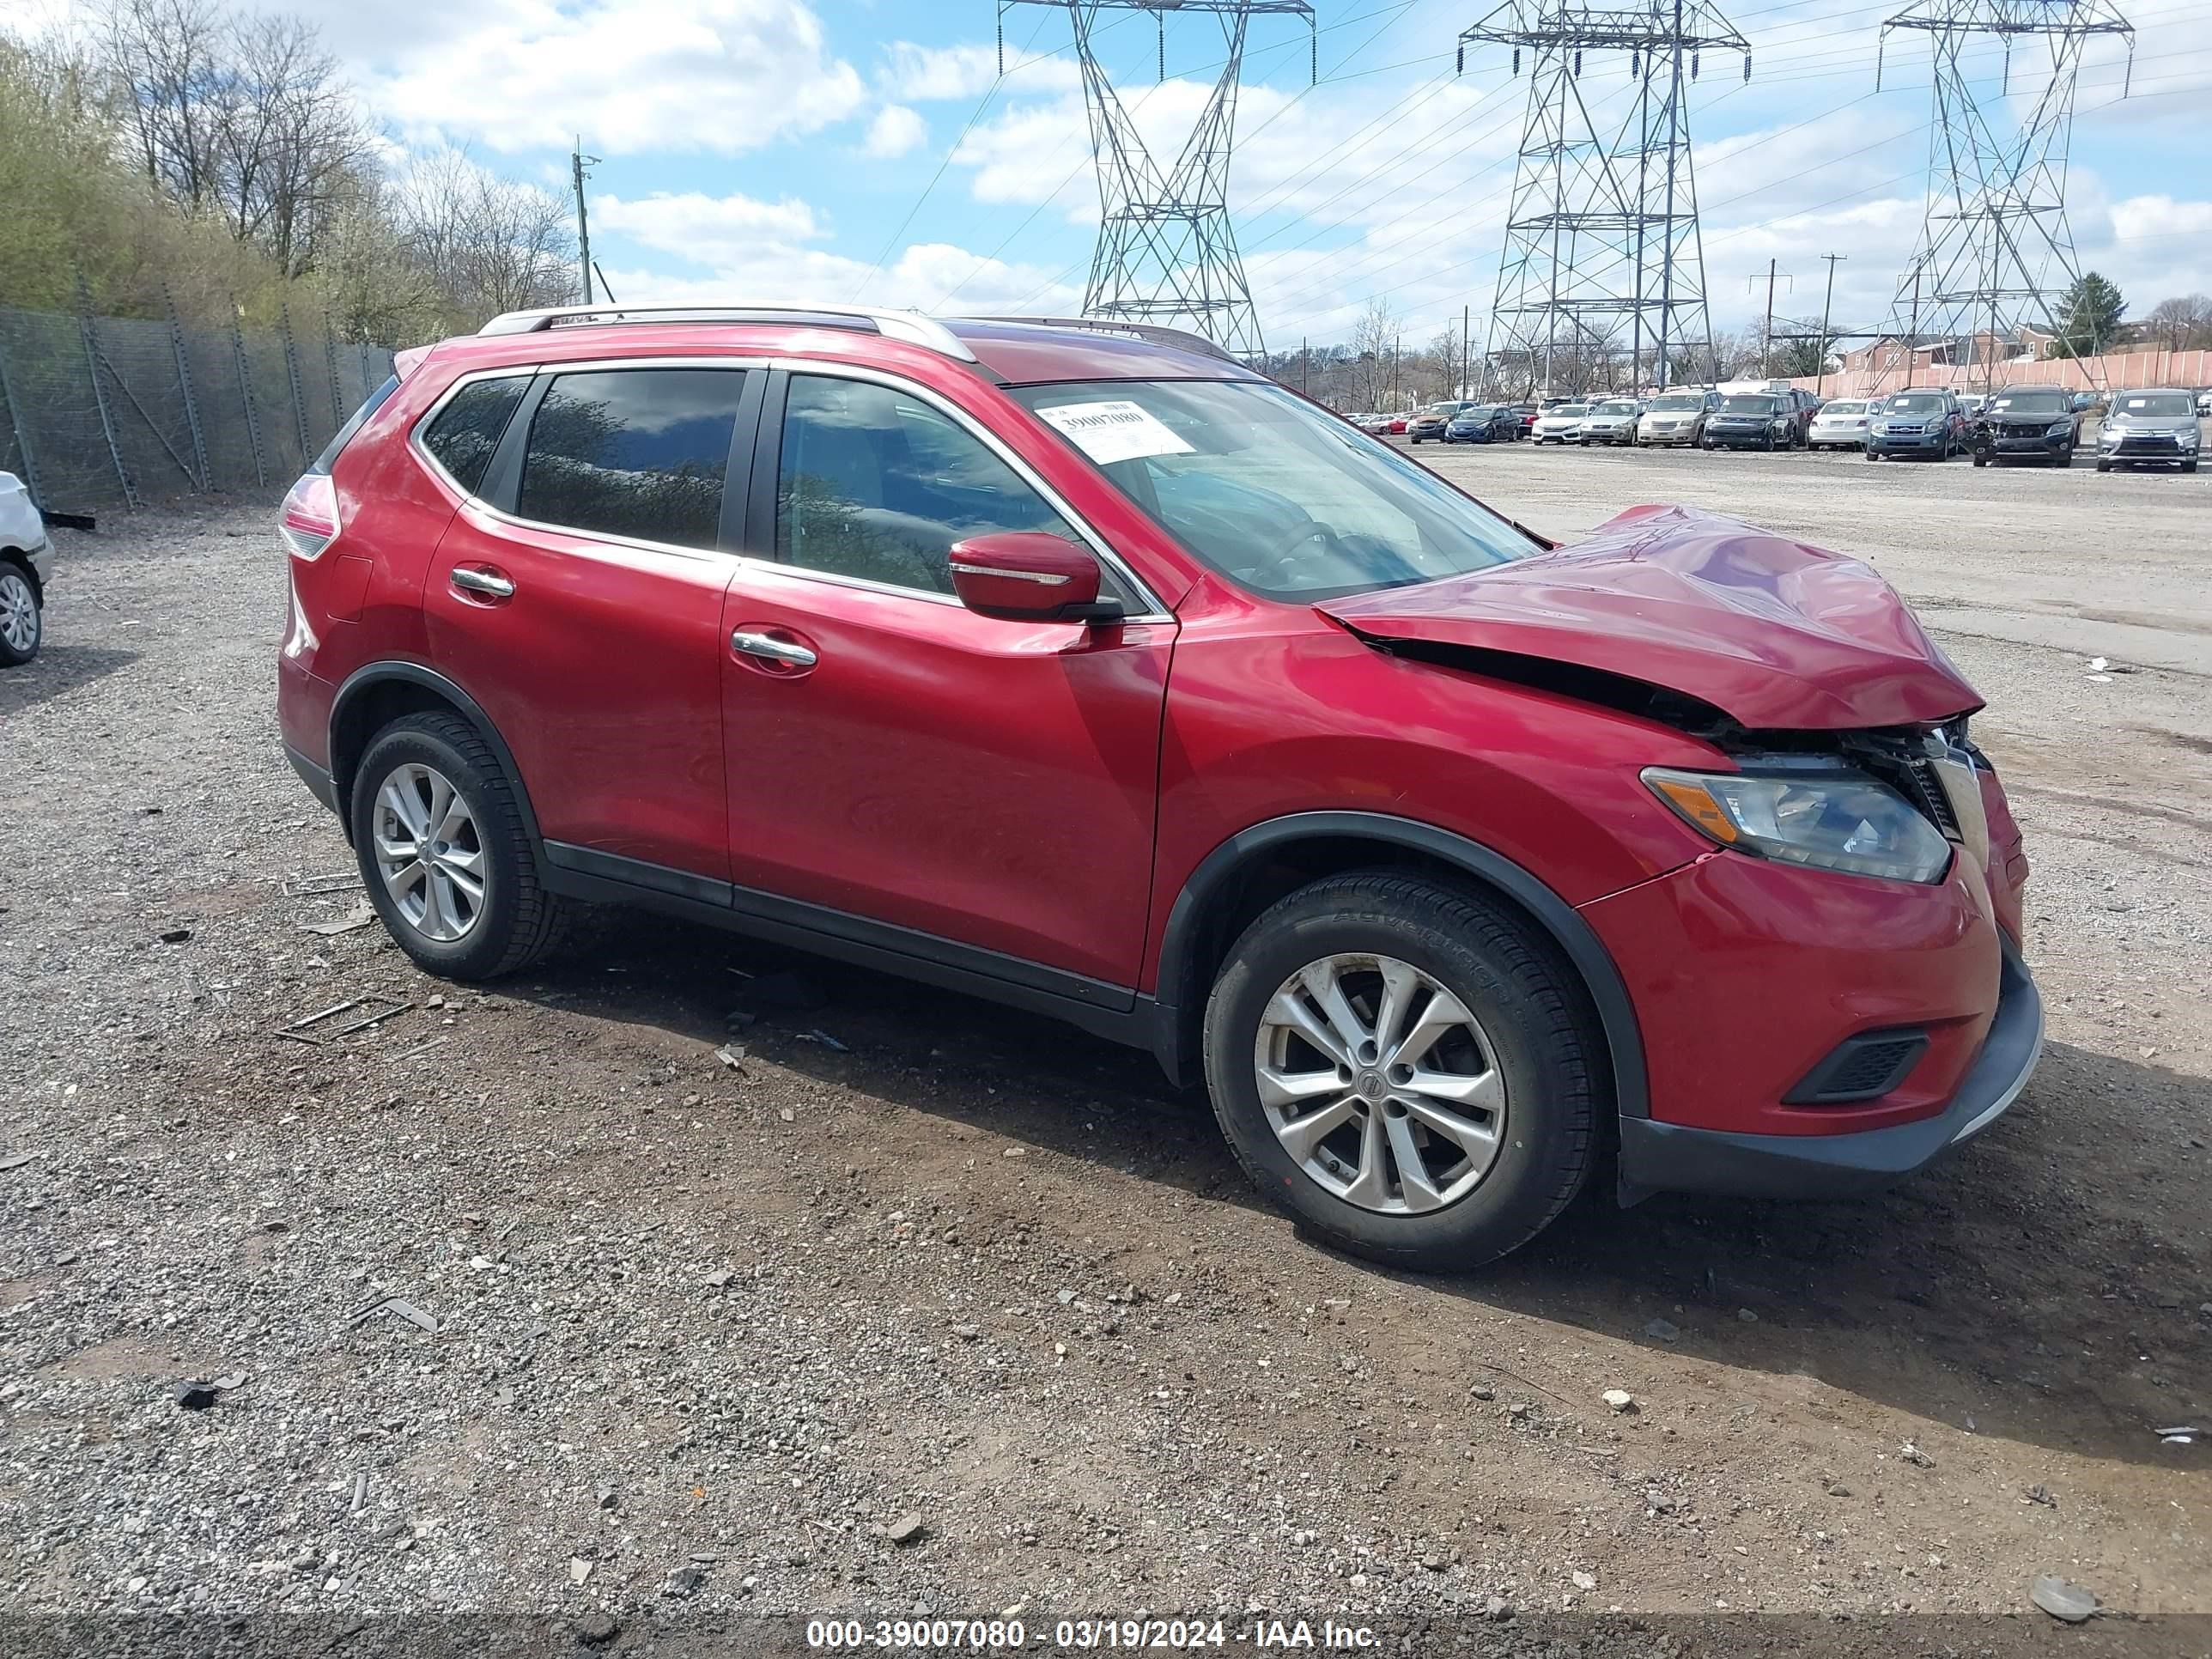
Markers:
1837,820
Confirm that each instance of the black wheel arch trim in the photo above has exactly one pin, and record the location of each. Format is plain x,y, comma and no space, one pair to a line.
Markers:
371,675
1178,995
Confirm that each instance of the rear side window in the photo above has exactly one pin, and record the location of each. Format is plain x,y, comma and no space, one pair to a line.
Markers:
639,452
467,429
375,401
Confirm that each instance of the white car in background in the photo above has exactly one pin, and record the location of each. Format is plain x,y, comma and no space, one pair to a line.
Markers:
1562,424
1841,424
27,560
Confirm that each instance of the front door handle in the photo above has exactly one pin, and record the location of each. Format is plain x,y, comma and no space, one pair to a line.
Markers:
489,583
768,648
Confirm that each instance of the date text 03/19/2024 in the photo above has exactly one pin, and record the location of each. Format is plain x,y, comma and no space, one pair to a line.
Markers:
1003,1635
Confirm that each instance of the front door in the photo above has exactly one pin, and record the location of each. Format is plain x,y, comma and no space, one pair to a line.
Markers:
582,606
895,757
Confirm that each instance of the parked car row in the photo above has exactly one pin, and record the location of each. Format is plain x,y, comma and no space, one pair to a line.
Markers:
2158,426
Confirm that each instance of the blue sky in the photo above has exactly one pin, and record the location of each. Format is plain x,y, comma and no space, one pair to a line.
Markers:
869,149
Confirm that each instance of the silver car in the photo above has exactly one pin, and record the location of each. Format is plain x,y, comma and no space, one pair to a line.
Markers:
1841,424
27,564
1560,424
2156,428
1613,421
1676,417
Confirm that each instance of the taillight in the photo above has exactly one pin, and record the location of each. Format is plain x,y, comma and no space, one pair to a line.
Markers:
309,519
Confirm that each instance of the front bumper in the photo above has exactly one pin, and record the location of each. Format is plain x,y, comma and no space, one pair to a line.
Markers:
1668,436
1745,437
1914,443
1658,1157
2157,446
2038,446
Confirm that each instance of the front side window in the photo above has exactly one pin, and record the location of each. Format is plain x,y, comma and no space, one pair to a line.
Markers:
466,432
1268,491
875,483
637,452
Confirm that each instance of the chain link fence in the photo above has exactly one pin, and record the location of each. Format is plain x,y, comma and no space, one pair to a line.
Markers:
115,411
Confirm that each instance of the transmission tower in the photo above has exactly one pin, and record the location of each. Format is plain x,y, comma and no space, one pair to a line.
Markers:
1602,233
1995,247
1166,252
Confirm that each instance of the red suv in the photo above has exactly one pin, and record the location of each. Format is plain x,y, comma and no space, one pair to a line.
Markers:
1077,667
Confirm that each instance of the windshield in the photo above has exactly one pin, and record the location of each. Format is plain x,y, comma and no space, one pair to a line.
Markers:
2031,403
1434,409
1844,407
1675,401
1479,412
1261,488
1747,403
1618,406
2157,403
1915,402
1569,410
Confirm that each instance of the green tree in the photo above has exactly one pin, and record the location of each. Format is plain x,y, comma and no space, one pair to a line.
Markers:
2088,317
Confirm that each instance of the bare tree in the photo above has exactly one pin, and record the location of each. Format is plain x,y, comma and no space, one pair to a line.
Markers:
244,117
1374,340
486,244
2181,324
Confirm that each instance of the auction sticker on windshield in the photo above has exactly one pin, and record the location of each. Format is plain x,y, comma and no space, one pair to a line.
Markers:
1119,431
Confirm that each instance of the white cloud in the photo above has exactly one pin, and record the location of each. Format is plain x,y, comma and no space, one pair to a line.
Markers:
738,246
929,74
709,230
630,76
894,130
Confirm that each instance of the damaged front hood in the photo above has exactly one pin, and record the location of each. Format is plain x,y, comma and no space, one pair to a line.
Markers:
1776,635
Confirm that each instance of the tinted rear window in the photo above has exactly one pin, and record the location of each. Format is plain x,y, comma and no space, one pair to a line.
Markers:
467,430
374,402
633,452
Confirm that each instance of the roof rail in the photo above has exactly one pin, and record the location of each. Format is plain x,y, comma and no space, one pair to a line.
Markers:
1180,340
910,326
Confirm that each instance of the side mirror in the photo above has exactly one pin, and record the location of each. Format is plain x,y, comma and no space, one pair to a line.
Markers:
1029,575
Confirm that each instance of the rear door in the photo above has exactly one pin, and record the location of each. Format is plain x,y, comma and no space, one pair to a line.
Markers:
896,757
578,597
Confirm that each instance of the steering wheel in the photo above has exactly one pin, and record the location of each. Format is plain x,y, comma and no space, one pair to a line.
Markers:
1306,530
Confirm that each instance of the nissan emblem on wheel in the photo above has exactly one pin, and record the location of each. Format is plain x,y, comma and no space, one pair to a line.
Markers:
1082,668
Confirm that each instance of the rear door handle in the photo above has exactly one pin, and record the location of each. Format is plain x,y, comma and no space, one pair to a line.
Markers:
488,582
768,648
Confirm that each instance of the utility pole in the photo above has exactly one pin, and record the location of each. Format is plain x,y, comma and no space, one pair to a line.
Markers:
1766,340
1820,371
1304,363
577,162
1466,315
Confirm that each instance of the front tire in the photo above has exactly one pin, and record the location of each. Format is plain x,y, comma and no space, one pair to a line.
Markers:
1407,1066
22,618
443,852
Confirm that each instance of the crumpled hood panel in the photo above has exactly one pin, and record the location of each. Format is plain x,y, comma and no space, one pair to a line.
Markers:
1777,635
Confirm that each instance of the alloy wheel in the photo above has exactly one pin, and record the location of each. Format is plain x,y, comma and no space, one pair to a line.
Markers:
19,611
1380,1083
430,853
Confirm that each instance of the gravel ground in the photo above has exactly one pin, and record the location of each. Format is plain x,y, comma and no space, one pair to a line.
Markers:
923,1304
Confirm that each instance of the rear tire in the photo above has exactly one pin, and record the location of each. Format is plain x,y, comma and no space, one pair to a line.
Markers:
409,767
1526,1029
23,616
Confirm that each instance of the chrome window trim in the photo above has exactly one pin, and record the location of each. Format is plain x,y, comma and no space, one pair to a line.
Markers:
1154,609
